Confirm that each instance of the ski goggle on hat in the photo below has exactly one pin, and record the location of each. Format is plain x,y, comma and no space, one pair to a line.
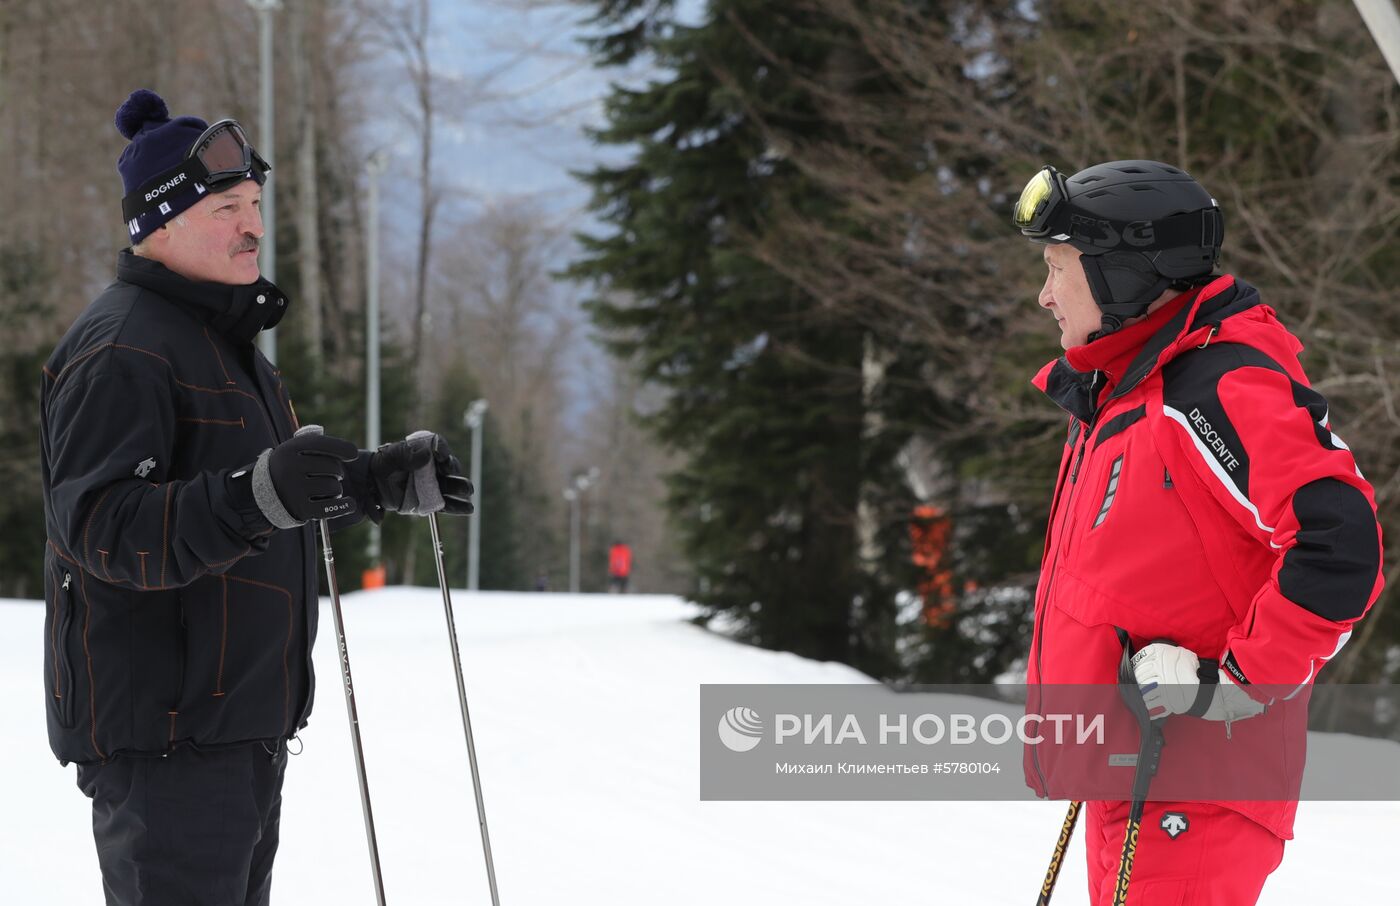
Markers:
1041,206
219,159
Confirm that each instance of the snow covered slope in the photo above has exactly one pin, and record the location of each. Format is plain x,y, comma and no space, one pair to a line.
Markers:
584,709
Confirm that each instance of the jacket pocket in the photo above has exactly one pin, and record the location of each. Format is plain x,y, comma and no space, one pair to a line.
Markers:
182,635
60,637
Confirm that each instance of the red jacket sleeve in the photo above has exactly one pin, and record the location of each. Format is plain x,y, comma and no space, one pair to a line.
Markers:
1262,443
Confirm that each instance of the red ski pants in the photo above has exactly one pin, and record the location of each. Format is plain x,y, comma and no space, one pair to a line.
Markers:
1188,854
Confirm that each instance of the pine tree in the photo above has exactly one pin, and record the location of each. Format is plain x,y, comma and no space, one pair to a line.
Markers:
766,392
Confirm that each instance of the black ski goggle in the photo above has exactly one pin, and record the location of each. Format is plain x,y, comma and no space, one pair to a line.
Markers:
220,158
1041,201
226,154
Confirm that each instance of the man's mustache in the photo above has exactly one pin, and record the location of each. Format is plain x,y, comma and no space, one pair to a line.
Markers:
248,244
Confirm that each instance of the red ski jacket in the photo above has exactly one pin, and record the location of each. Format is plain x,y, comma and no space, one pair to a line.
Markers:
620,561
1202,498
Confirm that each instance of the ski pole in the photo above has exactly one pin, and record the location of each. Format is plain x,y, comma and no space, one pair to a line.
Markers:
1052,874
462,699
1149,756
354,716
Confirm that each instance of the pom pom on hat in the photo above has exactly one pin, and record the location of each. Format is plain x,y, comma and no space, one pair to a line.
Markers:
142,107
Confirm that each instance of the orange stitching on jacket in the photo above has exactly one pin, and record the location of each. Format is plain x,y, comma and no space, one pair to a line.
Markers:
231,559
261,407
189,386
60,553
142,555
172,714
83,355
78,358
165,536
96,349
105,571
92,514
260,584
87,652
215,347
286,646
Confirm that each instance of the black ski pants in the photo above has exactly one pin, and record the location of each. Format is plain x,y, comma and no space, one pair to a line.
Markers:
195,828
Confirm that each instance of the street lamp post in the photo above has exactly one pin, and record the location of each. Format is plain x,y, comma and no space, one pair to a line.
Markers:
474,417
574,494
267,251
571,495
374,167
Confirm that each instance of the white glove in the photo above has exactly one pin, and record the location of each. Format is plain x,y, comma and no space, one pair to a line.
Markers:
1167,676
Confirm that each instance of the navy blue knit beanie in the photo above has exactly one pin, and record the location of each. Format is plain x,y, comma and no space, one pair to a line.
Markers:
158,143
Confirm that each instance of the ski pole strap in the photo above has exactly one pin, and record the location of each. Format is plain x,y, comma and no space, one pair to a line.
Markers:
1126,676
1209,675
1149,731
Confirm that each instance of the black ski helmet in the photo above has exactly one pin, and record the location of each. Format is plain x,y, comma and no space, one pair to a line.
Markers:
1143,227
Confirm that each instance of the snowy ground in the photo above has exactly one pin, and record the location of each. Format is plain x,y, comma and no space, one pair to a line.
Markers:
584,709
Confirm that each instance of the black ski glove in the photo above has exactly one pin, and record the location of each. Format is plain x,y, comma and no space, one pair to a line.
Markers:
419,475
300,479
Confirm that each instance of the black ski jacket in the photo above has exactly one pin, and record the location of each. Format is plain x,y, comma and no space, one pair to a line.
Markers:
175,613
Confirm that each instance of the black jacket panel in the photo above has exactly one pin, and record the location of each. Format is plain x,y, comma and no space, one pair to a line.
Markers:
175,611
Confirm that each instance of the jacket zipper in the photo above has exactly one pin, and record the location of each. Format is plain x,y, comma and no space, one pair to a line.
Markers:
1055,559
63,680
1079,457
309,598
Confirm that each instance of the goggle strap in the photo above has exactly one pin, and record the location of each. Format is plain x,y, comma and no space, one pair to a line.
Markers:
1195,227
135,204
192,169
1212,228
1192,228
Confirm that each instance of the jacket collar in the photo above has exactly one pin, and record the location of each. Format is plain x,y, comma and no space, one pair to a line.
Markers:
237,311
1121,360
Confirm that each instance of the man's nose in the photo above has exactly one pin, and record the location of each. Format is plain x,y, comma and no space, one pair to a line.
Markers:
253,223
1046,298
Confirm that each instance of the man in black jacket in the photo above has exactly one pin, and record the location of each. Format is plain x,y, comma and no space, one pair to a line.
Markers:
180,497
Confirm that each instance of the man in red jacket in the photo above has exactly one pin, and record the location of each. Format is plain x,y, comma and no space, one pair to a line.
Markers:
619,567
1202,497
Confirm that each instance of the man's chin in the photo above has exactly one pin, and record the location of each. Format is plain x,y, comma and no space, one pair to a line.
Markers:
245,270
1069,342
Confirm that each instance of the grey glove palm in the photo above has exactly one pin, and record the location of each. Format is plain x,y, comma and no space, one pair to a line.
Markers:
419,475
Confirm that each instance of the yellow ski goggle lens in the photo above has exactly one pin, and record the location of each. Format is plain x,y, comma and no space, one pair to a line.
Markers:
1036,192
